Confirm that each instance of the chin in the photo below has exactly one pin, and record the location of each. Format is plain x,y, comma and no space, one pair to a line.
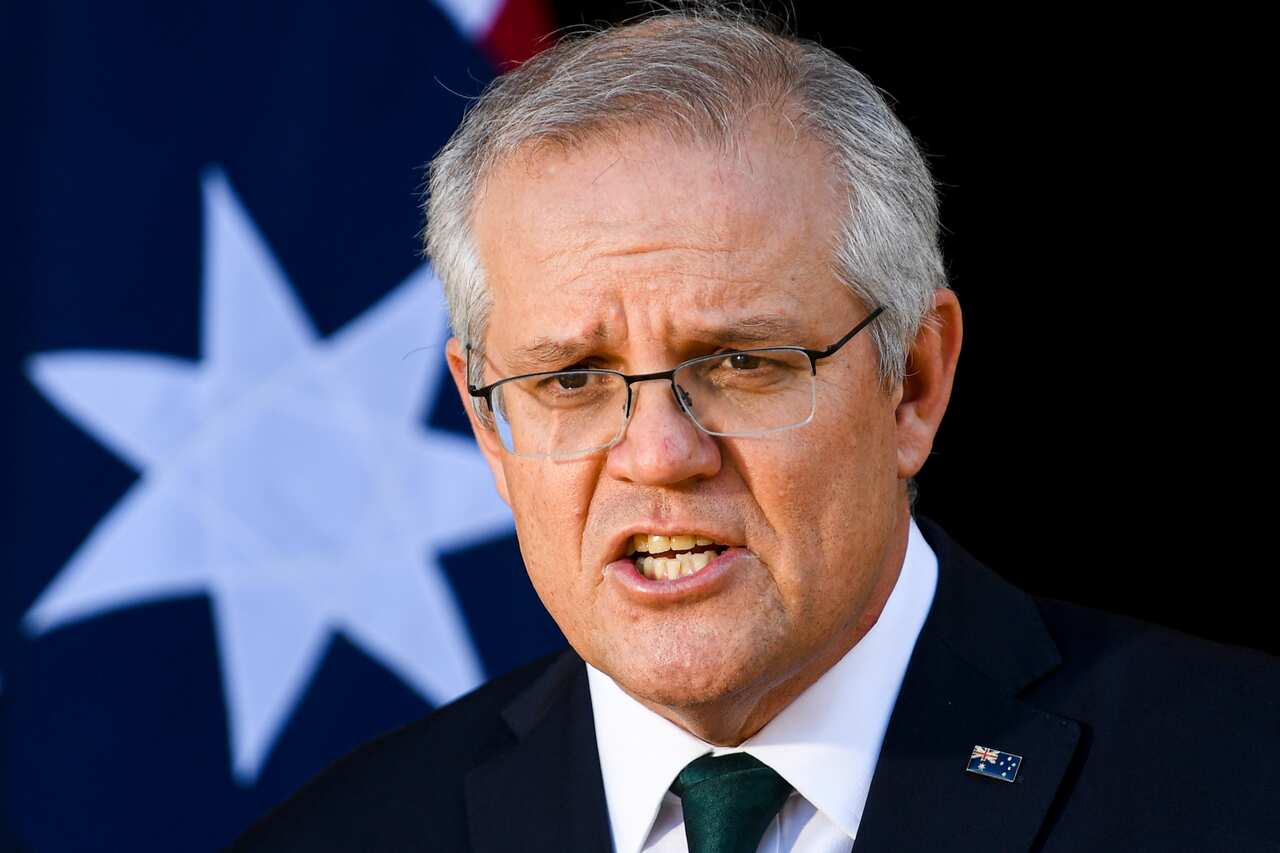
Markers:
678,678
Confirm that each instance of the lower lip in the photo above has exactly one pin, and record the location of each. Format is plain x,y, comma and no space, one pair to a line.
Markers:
700,584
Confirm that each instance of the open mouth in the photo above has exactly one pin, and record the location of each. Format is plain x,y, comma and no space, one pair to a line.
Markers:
671,557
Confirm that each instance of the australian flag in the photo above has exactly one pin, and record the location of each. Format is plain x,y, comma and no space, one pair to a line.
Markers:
994,763
249,526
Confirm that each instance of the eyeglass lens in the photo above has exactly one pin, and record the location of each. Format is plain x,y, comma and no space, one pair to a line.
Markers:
578,411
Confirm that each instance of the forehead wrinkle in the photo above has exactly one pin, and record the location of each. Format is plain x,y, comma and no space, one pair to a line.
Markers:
639,273
657,247
695,253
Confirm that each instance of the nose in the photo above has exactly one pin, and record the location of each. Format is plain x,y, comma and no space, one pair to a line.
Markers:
662,446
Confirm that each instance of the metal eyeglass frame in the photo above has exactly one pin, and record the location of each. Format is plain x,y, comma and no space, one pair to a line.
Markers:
815,355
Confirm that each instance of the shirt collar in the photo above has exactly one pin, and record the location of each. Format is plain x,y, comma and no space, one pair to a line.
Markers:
825,743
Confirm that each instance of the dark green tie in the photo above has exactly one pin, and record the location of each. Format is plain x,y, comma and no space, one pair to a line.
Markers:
728,802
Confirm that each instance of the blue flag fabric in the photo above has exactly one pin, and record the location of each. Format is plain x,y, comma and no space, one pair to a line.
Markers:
249,526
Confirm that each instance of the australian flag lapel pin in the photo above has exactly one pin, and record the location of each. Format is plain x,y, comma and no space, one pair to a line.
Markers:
994,764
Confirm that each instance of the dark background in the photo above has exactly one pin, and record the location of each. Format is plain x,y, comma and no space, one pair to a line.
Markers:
1106,441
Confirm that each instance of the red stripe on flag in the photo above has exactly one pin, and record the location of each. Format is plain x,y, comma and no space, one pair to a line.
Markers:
517,33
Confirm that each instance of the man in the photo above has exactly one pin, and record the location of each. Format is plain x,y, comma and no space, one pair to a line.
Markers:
705,340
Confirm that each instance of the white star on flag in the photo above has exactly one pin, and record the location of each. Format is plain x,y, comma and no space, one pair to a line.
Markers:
286,476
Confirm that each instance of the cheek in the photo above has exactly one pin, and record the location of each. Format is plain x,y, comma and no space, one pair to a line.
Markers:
829,497
550,508
548,500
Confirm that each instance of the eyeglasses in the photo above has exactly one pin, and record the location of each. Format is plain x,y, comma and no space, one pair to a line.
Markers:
560,414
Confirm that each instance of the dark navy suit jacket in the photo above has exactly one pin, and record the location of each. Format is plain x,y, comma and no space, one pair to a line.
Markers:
1133,738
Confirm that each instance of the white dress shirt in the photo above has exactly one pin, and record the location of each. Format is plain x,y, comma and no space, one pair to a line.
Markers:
825,743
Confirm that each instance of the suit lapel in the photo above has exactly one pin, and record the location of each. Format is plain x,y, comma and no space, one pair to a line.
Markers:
544,792
982,643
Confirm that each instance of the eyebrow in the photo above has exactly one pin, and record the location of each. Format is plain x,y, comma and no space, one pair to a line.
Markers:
545,353
548,353
761,328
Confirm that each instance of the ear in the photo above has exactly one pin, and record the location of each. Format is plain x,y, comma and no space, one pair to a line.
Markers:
926,389
485,437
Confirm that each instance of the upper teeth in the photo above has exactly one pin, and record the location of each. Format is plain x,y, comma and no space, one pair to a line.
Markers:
670,568
649,544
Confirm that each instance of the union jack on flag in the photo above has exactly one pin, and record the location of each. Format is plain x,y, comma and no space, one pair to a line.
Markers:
994,764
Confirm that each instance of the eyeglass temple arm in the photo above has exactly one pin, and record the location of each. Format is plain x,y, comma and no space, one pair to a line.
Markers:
475,390
831,350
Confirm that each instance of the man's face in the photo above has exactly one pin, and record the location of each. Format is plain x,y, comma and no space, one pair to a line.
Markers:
645,253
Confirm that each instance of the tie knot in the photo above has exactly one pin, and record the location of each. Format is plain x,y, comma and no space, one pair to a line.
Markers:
709,767
728,802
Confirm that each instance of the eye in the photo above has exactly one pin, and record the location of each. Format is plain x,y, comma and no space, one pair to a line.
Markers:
571,381
744,361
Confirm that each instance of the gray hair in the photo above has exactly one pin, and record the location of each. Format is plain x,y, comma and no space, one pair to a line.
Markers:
699,73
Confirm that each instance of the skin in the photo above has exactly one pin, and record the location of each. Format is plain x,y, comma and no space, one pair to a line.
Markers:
638,244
